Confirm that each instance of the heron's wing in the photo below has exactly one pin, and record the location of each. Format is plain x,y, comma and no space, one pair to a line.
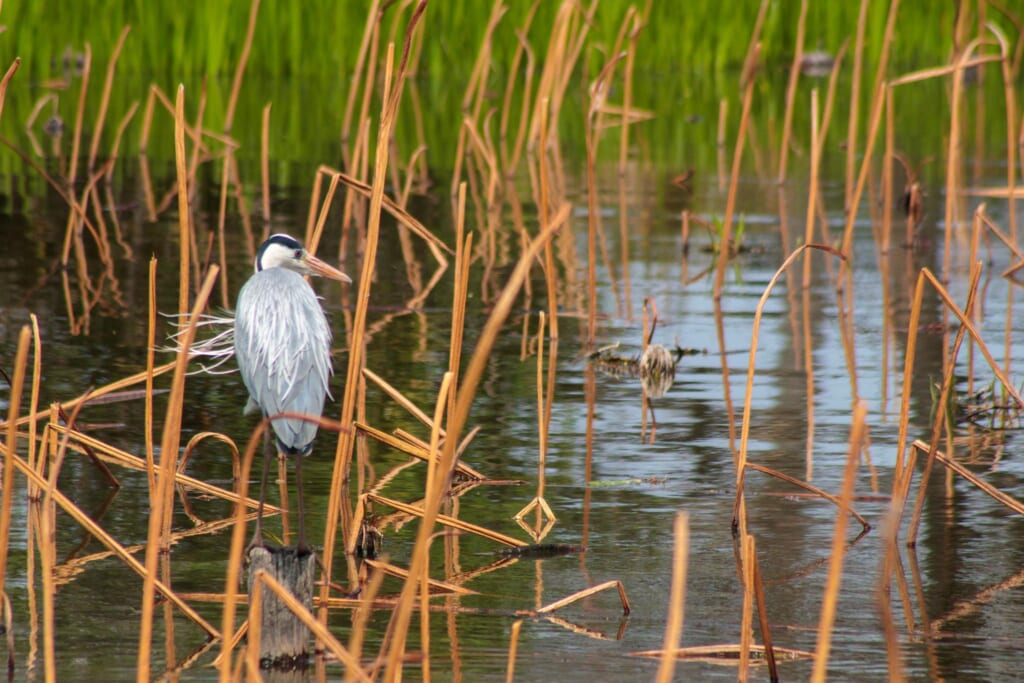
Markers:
283,348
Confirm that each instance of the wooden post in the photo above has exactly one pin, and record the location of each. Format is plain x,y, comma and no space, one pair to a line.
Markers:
284,639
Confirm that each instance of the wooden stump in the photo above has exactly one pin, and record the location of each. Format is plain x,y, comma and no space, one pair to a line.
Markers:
284,639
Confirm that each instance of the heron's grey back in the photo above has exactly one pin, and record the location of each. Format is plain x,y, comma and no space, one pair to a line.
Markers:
283,349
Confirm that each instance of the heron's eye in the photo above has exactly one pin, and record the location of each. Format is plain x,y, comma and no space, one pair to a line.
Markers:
298,253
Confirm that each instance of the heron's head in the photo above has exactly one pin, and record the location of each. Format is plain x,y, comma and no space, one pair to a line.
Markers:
283,251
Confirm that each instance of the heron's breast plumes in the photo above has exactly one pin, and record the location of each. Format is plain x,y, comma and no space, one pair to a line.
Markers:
283,349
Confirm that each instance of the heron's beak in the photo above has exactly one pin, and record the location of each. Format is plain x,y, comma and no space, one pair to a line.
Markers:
321,269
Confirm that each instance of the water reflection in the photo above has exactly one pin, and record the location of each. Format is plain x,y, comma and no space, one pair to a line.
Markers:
607,490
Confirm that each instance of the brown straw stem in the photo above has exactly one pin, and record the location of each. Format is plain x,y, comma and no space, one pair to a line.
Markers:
243,59
858,432
676,600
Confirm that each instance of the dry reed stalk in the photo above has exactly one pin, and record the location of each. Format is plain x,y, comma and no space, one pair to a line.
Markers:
343,453
723,117
544,103
419,571
598,92
162,499
108,84
808,368
398,397
762,615
435,585
457,421
854,119
444,520
817,139
544,214
873,122
739,512
908,369
147,118
222,213
373,17
544,404
511,160
184,222
243,59
58,187
9,631
952,184
747,551
586,593
10,447
889,565
150,359
229,635
1003,498
415,450
513,644
94,529
851,212
1008,72
69,569
76,136
119,135
255,631
902,483
463,252
105,451
47,531
747,79
627,91
361,614
725,653
676,598
794,76
157,95
418,156
888,159
753,48
858,433
808,487
33,406
5,81
473,98
265,163
436,245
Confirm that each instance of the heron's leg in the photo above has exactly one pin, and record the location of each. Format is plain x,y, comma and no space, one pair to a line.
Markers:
268,451
301,546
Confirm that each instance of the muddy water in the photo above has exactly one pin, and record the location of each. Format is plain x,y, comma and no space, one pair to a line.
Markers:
620,499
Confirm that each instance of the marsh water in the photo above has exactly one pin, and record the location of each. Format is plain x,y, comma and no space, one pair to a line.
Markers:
620,499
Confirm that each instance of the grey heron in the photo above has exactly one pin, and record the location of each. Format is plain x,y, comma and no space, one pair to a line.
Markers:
283,348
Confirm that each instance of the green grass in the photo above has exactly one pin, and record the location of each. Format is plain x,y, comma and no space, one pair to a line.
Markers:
303,55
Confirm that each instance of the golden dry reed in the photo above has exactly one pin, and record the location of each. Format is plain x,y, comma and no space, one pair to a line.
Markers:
858,432
794,76
676,599
725,239
392,97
